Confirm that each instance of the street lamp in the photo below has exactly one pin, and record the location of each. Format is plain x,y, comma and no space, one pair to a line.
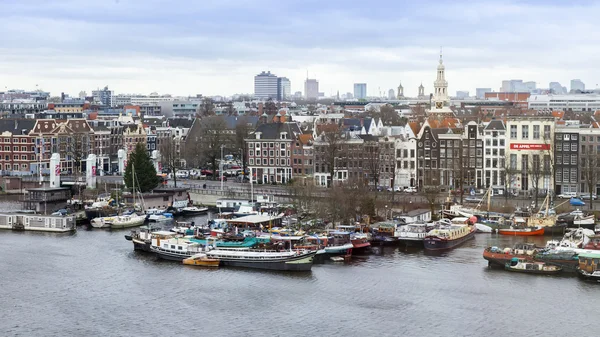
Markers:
221,168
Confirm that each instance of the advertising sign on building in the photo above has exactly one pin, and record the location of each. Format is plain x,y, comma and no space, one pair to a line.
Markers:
537,147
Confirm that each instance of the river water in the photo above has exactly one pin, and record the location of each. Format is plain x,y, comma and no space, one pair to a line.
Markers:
92,283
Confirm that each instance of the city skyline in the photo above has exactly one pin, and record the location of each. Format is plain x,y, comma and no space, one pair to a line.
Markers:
180,48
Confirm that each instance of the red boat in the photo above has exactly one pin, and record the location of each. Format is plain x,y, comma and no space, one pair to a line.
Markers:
529,231
361,245
594,243
500,257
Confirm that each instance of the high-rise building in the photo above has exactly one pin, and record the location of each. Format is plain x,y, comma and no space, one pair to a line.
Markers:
265,85
103,96
360,90
529,86
480,92
284,88
311,88
557,88
577,86
391,94
462,94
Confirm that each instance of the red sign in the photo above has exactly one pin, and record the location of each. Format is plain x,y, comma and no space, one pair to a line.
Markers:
93,170
530,146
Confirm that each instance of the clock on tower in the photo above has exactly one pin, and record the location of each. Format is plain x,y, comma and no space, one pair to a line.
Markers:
438,105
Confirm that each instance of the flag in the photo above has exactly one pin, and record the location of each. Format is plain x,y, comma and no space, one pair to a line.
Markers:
93,171
57,169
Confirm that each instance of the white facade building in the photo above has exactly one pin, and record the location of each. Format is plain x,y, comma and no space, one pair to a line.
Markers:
529,144
406,158
575,102
577,85
494,156
265,85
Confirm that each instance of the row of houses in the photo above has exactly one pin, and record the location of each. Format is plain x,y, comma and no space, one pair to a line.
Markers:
514,154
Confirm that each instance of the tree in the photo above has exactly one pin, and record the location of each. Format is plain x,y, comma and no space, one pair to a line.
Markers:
145,174
206,108
242,132
270,107
230,109
388,115
213,136
590,171
170,155
508,176
333,140
373,161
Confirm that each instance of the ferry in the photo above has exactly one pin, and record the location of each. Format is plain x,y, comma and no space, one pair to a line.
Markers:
448,237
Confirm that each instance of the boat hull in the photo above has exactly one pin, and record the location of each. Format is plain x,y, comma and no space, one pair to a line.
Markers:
171,256
300,263
141,245
435,243
202,263
513,232
555,230
501,259
127,224
360,247
589,276
533,271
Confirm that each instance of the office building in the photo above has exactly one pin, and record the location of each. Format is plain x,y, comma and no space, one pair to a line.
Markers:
284,88
462,94
577,86
311,89
557,89
480,92
103,96
265,85
360,90
391,94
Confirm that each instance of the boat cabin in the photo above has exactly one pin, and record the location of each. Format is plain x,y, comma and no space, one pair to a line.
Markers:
46,200
589,262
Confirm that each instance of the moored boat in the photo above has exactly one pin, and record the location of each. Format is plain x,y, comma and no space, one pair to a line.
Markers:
201,259
142,238
175,249
448,237
523,266
500,257
360,243
102,222
528,231
267,260
193,210
126,221
589,266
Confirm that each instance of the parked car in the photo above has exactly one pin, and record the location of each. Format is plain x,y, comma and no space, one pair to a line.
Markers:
410,190
586,196
567,195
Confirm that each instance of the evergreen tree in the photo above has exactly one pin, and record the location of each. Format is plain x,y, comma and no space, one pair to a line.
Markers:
145,174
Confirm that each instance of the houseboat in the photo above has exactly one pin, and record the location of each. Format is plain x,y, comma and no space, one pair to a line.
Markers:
589,266
230,205
448,237
175,249
500,257
37,222
413,234
142,238
523,266
285,261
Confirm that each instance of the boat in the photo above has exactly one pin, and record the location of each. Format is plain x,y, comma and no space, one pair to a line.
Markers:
565,259
500,257
527,231
101,207
102,222
523,266
142,238
193,210
160,217
482,228
126,221
301,260
589,266
175,249
413,234
448,237
244,210
383,234
201,259
360,243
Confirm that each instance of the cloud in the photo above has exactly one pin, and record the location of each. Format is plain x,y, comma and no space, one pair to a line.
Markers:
216,47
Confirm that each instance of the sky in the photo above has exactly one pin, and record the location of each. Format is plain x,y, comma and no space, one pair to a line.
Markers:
187,47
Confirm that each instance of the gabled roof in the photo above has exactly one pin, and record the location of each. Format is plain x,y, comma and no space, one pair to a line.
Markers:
273,130
184,123
369,138
496,125
78,125
305,138
233,121
43,126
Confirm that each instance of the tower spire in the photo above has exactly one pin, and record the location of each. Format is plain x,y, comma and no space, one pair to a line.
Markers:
440,54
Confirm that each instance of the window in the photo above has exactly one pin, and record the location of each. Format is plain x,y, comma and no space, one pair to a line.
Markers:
488,152
282,153
412,153
547,132
536,132
573,159
583,138
573,146
573,175
264,161
495,152
277,162
558,176
513,161
265,153
258,146
282,146
565,146
271,161
251,145
271,154
566,175
488,142
23,157
251,153
513,132
442,142
271,144
524,131
501,142
574,136
487,163
15,148
559,159
495,142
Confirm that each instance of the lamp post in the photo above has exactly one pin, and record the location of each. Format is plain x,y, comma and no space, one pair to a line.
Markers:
221,168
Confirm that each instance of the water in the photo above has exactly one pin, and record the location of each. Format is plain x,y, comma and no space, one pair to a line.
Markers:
92,283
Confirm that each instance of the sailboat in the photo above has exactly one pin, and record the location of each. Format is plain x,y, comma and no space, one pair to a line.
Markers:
545,219
133,219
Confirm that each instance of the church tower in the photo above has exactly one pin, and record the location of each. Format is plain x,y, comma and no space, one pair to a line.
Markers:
440,103
421,91
400,91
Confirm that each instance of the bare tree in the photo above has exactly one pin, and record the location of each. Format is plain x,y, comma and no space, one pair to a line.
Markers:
509,175
431,193
372,160
213,136
242,132
230,109
206,107
333,148
170,155
270,107
590,171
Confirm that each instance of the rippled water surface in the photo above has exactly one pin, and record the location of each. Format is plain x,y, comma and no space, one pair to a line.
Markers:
92,283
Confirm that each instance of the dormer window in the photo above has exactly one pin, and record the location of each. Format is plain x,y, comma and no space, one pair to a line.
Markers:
283,135
258,135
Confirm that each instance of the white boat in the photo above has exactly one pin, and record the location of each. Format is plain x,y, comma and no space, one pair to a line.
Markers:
481,228
130,220
162,217
286,260
102,222
175,249
244,210
193,210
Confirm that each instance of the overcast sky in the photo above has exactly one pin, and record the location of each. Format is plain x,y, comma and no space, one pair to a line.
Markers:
216,47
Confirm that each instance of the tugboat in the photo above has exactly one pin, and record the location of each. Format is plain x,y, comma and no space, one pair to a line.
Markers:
523,266
448,237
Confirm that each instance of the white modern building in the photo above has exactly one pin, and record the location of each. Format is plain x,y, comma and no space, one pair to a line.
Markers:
574,102
137,99
265,85
480,92
494,136
529,149
577,85
311,88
